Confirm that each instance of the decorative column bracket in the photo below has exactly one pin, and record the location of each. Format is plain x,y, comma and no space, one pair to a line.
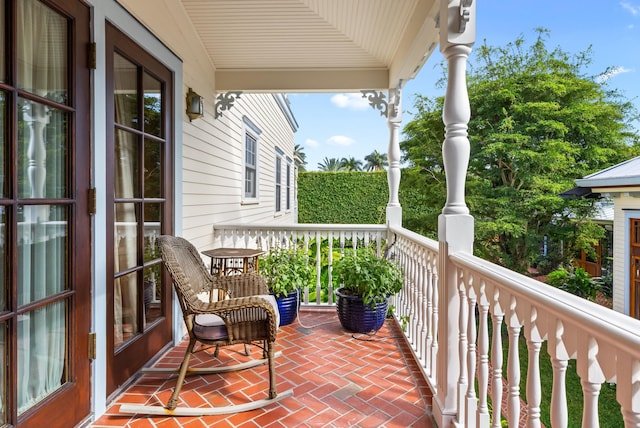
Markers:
376,100
225,101
465,14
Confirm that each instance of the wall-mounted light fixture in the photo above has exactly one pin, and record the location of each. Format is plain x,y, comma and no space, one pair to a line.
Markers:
195,105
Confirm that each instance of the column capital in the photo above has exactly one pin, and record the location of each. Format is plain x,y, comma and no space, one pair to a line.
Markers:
394,110
457,23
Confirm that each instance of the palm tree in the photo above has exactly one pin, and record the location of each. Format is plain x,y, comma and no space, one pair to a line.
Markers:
376,161
300,157
351,164
330,164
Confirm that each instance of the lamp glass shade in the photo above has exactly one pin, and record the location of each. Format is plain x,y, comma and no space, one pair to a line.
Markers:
195,105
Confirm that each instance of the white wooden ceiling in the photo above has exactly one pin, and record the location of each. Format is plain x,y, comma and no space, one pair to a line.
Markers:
309,45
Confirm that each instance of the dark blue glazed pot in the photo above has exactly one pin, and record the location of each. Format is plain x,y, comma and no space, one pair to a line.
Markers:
288,306
357,317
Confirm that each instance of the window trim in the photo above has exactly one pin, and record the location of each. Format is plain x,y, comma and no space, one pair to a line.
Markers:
251,130
287,195
277,174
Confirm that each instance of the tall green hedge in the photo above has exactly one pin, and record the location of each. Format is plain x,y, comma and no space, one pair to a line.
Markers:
342,197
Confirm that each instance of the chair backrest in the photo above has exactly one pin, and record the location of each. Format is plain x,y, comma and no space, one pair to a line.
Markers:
188,272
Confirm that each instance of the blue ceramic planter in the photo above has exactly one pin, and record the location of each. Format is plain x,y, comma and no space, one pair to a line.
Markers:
357,317
288,307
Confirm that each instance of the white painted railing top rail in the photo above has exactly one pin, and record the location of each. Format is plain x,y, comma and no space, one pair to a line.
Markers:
604,343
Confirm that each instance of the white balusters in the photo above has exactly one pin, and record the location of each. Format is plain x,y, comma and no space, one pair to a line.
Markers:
483,361
559,362
513,366
430,325
591,378
628,392
534,392
496,363
462,345
471,399
329,271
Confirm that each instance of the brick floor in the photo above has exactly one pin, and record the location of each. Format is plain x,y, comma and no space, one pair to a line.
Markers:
339,379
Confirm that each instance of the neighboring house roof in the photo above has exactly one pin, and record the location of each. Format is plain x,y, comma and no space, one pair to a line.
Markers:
623,174
604,211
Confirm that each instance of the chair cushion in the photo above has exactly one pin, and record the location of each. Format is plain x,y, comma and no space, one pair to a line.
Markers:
212,327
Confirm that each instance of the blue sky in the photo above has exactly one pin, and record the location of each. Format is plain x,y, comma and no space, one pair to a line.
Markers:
344,125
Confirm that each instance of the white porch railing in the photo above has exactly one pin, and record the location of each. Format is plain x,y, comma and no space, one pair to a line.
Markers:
605,344
323,240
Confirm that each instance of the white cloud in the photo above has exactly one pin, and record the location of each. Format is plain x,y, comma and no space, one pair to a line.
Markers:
632,9
311,143
340,140
612,72
350,101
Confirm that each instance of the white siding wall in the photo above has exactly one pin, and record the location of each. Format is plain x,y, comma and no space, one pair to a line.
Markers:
212,149
621,266
213,168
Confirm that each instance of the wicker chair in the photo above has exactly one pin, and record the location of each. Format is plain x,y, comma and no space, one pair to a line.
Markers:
248,315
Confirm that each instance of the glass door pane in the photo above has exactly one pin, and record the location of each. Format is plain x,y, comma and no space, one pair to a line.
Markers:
3,147
41,353
42,151
42,56
126,92
45,225
3,48
42,252
139,116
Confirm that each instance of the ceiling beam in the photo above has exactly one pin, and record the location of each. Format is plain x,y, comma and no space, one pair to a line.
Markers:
301,80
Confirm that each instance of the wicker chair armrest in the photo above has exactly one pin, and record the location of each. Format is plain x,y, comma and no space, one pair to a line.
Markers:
241,313
249,284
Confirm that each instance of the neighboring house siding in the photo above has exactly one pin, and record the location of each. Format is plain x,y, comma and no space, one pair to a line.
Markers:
621,267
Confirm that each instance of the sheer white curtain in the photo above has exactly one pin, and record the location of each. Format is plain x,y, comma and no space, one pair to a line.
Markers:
42,229
125,228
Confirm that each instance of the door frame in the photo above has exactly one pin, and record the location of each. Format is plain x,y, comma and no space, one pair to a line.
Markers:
629,214
124,362
105,11
77,389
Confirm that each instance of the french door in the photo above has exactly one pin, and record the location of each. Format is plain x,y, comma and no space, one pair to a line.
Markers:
635,268
45,235
139,205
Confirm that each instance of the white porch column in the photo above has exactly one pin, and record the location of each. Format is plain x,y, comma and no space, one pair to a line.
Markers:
394,119
455,225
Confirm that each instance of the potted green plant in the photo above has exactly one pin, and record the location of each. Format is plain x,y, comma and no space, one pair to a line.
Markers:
367,281
286,272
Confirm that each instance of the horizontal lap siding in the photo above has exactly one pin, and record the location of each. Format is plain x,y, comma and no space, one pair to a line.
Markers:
620,250
213,169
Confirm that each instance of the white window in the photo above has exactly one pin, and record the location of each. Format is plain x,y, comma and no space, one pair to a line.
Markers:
250,173
288,183
278,181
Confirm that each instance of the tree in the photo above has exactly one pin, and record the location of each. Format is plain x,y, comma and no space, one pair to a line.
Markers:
300,157
330,164
538,122
351,164
375,161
